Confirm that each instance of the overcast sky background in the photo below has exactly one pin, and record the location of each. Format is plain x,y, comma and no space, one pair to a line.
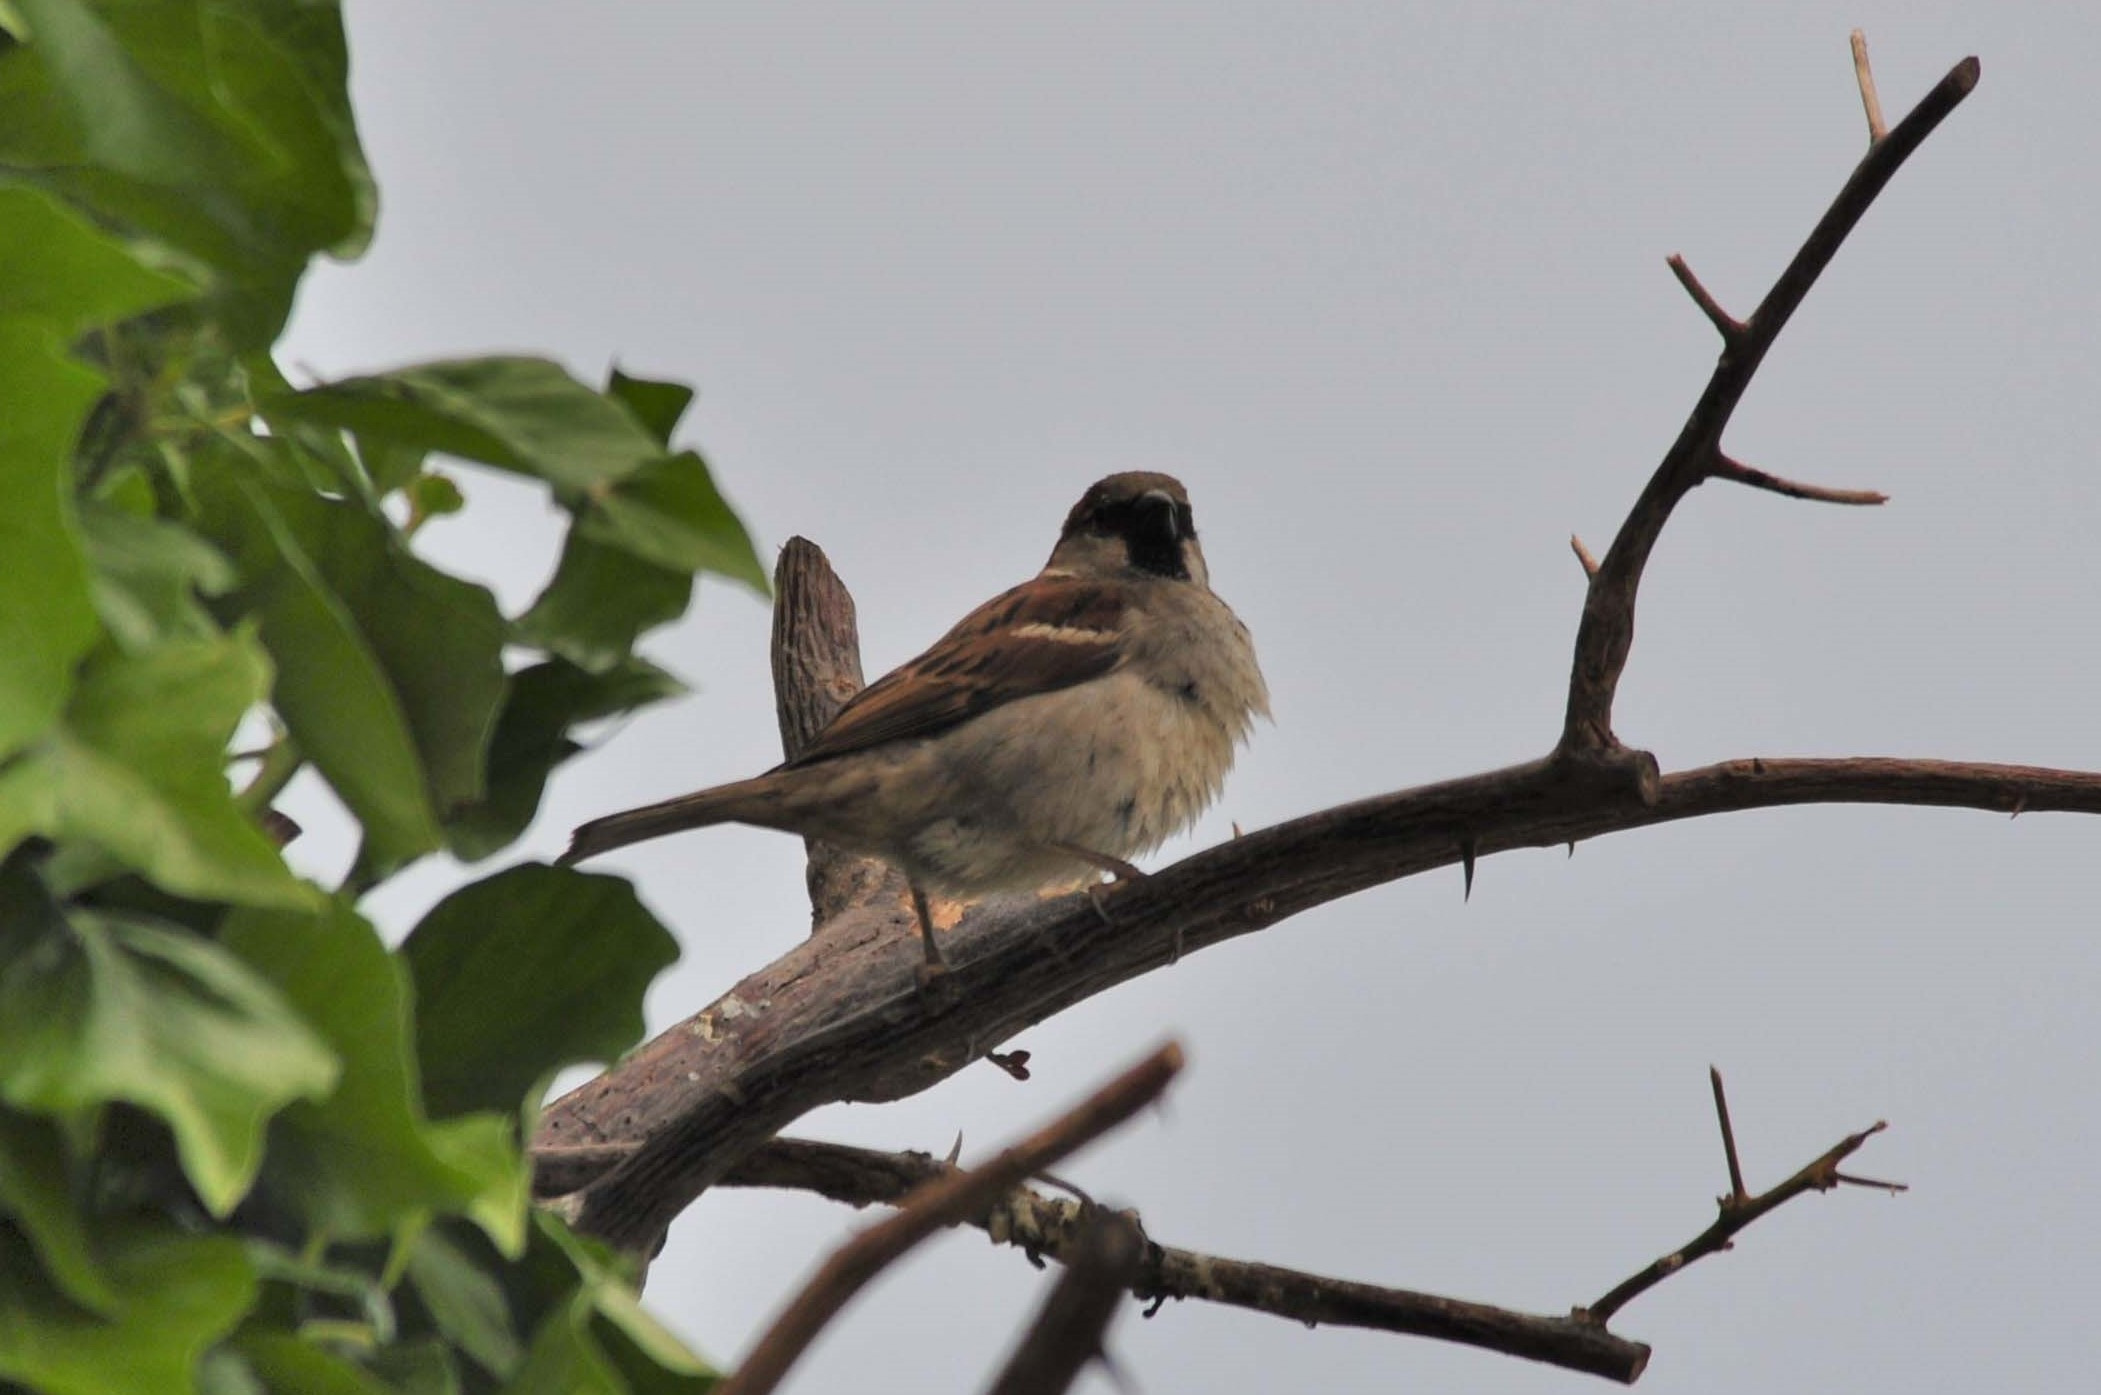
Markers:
1385,285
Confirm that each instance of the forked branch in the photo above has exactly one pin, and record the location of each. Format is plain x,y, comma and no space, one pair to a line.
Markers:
1606,634
1739,1209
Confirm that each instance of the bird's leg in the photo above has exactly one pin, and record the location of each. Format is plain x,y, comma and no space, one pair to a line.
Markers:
935,963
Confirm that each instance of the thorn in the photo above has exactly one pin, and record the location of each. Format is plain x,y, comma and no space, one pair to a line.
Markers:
2020,805
1850,1180
1727,325
1467,849
1738,472
955,1150
1865,76
1721,1112
1571,847
1159,1302
1236,828
1590,563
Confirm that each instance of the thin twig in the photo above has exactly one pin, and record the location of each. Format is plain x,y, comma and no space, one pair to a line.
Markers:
1737,472
941,1202
1865,76
1067,1331
1730,328
1737,1212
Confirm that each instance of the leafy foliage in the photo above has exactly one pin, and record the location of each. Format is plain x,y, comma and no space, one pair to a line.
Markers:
244,1146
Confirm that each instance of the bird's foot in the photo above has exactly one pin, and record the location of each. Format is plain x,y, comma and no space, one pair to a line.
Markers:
935,985
1115,866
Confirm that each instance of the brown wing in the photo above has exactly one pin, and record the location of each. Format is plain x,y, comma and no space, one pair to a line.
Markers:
1043,635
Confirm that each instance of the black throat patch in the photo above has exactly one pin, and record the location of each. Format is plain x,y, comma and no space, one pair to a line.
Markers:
1152,530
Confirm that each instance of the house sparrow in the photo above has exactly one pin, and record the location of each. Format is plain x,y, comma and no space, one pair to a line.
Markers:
1061,728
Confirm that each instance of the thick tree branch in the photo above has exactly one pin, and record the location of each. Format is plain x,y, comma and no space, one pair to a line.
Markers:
943,1201
840,1017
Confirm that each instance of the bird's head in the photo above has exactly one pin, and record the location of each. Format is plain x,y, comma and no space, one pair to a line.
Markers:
1135,522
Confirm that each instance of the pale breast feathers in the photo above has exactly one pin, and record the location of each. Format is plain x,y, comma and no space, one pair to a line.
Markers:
1044,635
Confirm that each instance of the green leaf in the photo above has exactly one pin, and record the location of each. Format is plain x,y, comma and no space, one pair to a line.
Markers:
523,973
532,738
223,1372
530,416
135,768
527,415
390,466
100,1009
47,624
599,1336
670,513
147,575
416,1368
179,1294
365,1162
276,1265
330,689
37,1192
485,1146
439,639
657,405
432,496
58,267
289,1365
465,1302
127,121
280,71
220,131
565,1360
600,601
388,671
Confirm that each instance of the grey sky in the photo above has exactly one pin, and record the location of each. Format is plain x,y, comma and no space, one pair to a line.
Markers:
1385,286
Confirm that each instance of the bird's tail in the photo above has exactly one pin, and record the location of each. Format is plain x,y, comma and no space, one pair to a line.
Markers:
743,802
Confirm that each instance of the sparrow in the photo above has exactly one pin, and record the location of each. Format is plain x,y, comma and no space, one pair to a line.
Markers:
1059,730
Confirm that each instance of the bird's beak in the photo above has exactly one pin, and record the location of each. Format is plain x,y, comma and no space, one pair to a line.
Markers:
1161,500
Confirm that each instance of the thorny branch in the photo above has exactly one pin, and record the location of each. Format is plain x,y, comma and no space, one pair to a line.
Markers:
1606,633
840,1018
1047,1226
1738,1209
